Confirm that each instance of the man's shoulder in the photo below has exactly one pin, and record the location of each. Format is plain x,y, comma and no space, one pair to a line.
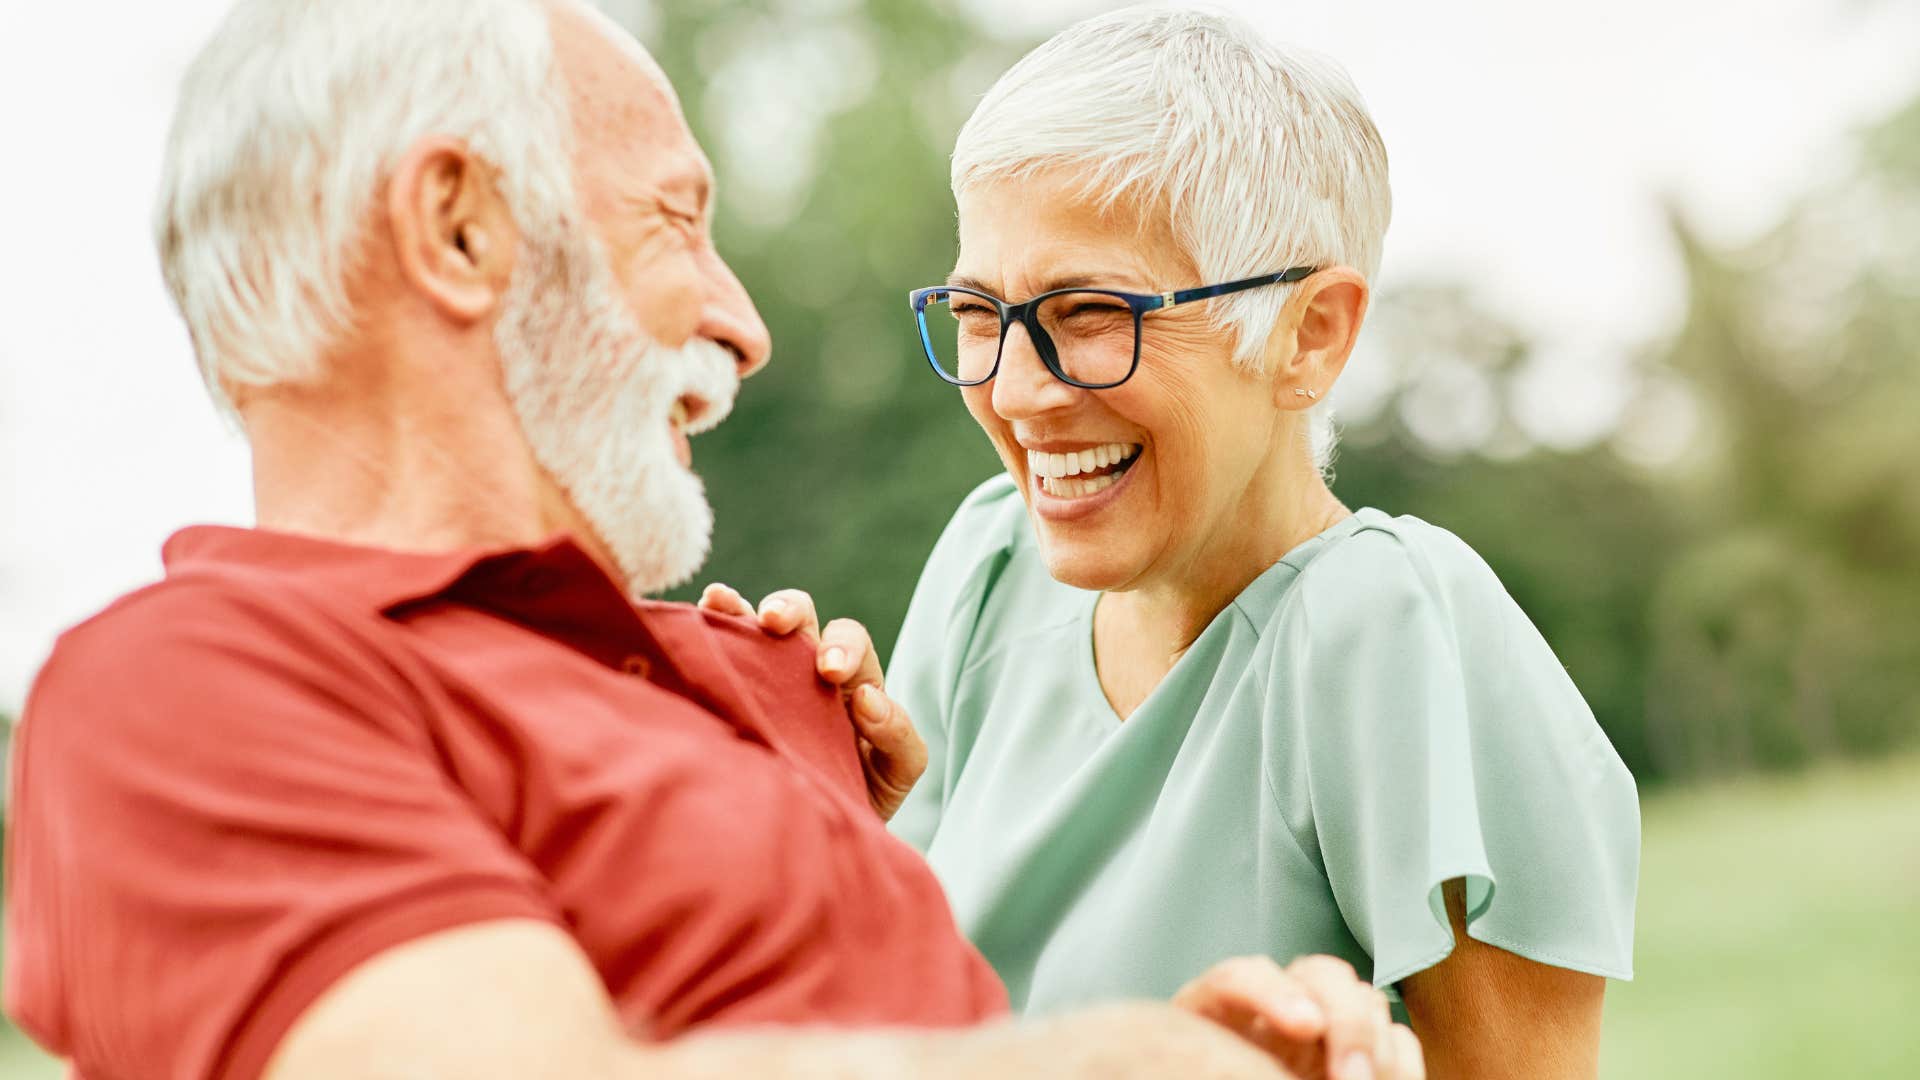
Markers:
159,619
787,704
191,640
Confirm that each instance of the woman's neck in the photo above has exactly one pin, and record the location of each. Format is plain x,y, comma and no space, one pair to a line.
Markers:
1140,633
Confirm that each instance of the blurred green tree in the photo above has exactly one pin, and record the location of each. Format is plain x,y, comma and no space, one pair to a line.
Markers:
1789,625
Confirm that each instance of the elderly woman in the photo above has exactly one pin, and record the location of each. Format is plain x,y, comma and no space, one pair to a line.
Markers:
1179,701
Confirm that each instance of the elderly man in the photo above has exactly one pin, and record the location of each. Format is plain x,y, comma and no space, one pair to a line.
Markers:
403,782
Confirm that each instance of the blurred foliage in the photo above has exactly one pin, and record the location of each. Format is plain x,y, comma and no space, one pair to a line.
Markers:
1751,600
1789,624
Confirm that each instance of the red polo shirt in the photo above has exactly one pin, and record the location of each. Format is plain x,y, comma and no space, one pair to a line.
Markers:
234,786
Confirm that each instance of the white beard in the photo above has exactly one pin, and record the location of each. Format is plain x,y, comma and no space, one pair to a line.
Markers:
593,393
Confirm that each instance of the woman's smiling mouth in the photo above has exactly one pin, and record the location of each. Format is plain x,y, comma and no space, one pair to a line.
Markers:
1079,474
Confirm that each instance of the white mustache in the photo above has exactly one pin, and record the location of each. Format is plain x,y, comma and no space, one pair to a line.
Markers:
702,369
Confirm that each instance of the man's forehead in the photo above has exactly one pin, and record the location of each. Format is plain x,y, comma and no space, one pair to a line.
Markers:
574,17
605,67
625,113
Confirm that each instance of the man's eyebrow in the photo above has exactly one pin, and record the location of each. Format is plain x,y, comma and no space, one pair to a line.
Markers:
695,184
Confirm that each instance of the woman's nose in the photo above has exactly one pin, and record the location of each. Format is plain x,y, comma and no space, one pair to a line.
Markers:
1023,386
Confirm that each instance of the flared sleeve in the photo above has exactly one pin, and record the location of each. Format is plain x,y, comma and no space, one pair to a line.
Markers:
1442,739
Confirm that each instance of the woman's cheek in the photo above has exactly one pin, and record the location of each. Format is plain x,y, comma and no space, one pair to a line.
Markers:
979,402
1168,405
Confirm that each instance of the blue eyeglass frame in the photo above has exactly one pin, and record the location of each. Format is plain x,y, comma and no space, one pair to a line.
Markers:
1027,315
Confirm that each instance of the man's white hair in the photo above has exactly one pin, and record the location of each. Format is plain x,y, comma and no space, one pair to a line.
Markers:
289,121
1265,157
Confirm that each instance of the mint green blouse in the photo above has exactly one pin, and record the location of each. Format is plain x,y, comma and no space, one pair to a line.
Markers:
1371,717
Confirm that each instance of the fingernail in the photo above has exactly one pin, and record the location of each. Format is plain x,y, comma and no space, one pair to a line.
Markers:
1356,1066
1302,1013
836,658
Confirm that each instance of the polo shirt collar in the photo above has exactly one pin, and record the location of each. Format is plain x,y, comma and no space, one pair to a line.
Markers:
378,578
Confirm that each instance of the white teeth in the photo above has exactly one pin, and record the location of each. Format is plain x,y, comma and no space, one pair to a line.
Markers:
1075,463
1062,488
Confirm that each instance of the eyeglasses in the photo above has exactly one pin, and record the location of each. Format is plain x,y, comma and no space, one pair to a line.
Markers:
1089,338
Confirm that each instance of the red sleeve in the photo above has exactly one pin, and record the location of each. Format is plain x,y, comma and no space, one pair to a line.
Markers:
221,807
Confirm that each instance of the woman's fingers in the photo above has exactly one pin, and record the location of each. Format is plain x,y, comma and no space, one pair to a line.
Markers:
892,753
788,610
1234,992
1357,1016
726,600
1409,1060
1316,1016
847,657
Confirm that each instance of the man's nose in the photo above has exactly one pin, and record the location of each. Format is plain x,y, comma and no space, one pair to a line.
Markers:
729,317
1023,386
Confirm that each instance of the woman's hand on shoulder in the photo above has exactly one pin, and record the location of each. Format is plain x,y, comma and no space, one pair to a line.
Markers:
1314,1016
891,750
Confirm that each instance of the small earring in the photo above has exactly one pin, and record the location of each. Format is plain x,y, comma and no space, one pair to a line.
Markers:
1297,392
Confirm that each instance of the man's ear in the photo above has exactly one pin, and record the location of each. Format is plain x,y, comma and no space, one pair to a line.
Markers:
452,232
1315,335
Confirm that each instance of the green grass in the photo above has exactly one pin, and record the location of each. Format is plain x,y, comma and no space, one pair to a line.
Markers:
1779,934
1779,931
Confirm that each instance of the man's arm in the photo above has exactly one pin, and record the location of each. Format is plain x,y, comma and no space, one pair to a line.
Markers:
516,998
1486,1013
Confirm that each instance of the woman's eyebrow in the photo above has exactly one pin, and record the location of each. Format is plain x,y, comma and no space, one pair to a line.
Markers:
962,281
1061,281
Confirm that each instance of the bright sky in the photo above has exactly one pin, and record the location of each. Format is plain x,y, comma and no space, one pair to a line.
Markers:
1530,143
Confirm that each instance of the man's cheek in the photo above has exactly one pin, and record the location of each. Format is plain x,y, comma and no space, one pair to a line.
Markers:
660,284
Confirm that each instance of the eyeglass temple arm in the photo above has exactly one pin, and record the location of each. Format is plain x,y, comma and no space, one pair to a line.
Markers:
1207,292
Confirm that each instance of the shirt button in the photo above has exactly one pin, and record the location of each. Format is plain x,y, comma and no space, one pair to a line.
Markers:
637,665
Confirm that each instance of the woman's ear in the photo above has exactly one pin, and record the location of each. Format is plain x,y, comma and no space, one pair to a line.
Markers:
452,232
1315,335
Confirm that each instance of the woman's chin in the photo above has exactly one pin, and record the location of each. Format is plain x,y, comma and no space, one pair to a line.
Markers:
1085,563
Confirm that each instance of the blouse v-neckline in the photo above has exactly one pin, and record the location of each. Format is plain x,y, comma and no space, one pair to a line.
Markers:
1086,678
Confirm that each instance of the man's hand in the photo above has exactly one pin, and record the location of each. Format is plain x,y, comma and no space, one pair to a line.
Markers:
890,748
1314,1016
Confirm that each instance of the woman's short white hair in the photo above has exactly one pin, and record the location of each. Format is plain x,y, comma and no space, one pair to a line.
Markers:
1264,156
288,123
